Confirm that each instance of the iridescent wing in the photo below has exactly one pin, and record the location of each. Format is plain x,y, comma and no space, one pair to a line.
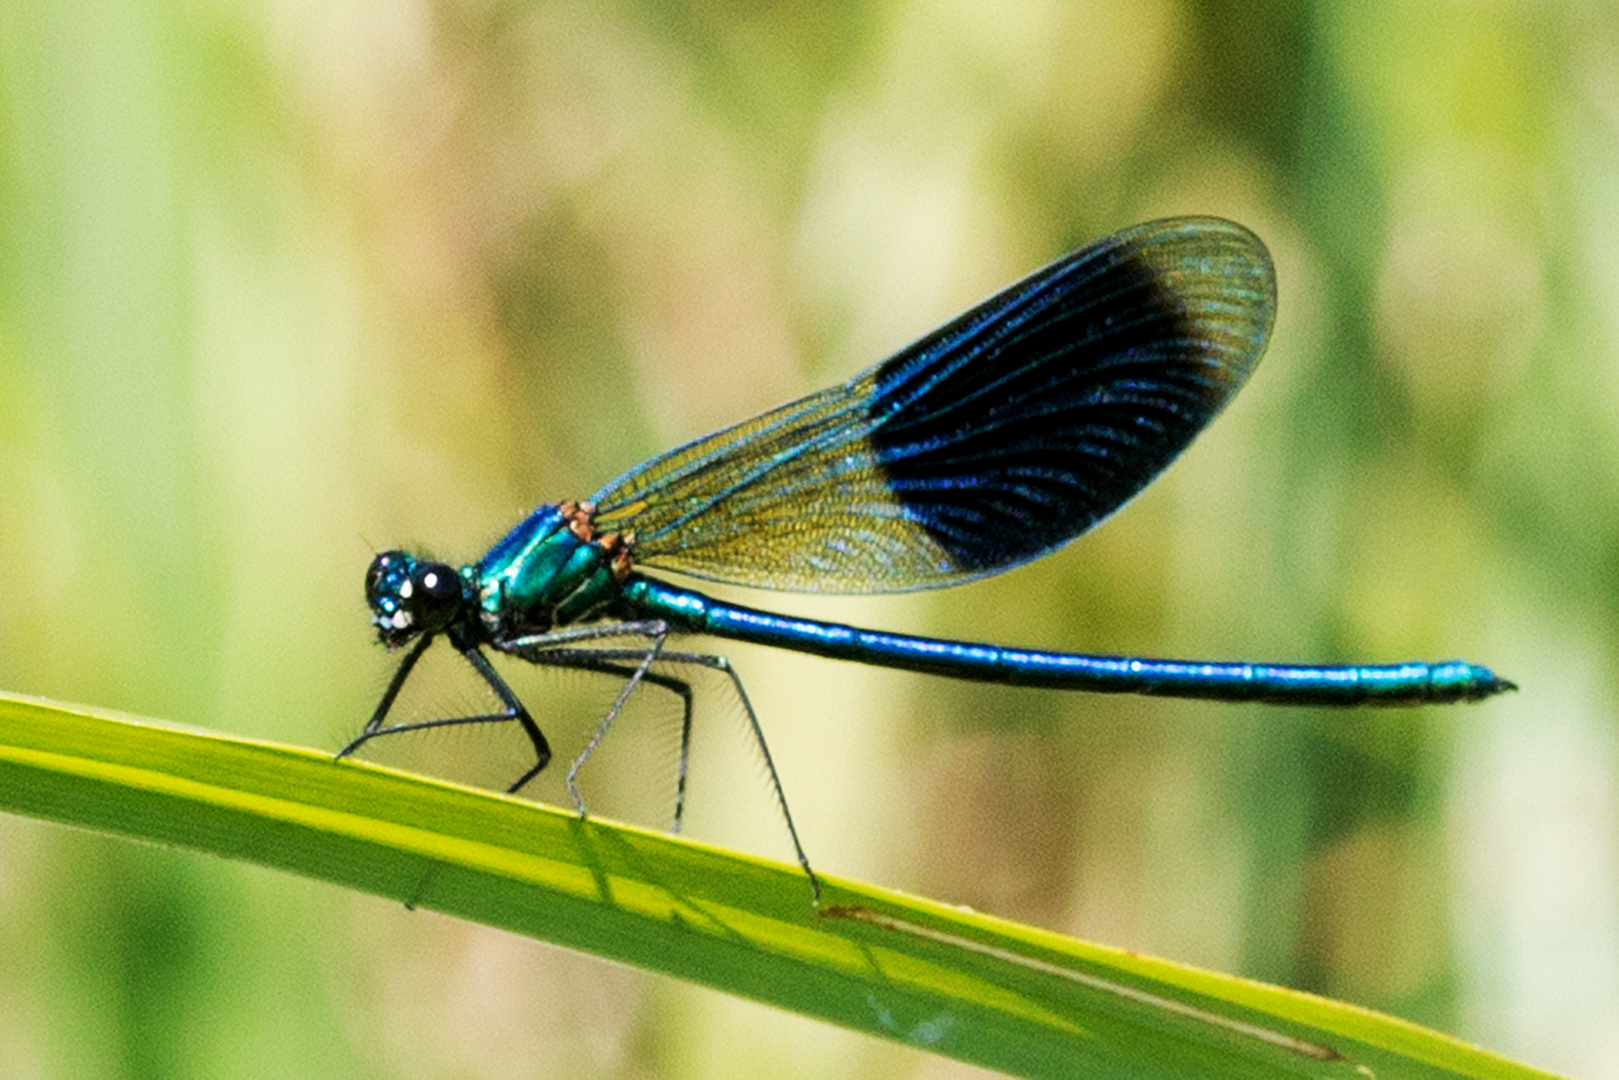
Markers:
1002,435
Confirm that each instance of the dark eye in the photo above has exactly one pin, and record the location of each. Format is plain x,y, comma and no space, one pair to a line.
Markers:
434,596
410,597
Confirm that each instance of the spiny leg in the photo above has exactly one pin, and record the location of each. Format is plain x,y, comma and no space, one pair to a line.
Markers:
721,664
373,727
514,709
598,660
641,669
524,647
529,647
541,648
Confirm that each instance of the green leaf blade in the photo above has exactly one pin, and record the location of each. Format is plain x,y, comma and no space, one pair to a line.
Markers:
980,989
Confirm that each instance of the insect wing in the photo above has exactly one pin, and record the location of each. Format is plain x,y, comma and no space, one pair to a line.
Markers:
1002,435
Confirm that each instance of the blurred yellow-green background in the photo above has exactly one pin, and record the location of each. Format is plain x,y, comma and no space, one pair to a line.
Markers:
283,283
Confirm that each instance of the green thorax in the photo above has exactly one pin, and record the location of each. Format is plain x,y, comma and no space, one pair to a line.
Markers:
550,571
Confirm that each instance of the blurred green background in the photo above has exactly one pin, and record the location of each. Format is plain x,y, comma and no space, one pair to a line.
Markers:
284,283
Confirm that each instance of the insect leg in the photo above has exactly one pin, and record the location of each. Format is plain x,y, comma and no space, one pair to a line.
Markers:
713,663
599,660
538,648
513,709
373,727
630,684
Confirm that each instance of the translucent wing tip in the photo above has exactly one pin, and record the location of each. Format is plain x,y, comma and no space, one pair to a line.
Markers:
1220,270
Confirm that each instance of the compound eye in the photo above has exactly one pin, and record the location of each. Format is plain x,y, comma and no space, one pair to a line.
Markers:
385,574
435,595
